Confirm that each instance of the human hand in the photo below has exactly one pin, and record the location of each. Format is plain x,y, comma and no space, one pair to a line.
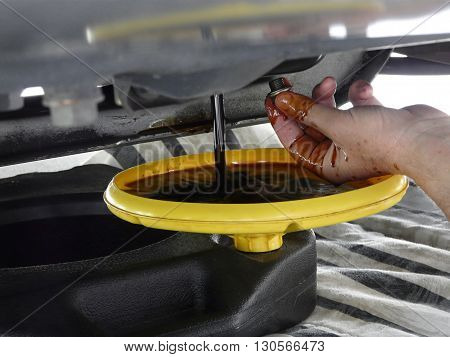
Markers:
341,145
365,141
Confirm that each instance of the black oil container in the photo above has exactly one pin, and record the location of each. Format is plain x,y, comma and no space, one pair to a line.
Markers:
70,268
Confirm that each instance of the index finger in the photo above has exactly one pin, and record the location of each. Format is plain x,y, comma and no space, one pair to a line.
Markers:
329,121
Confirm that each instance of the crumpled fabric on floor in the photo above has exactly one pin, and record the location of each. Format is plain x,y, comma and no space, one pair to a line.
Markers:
384,275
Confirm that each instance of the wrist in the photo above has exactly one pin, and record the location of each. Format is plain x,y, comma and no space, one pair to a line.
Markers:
425,156
424,150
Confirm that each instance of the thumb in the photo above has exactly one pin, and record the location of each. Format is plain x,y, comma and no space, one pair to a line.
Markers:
329,121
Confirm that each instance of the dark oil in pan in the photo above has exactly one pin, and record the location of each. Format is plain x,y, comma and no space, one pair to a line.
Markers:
255,183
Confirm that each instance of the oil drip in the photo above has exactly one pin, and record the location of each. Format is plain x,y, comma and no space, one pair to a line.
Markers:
218,115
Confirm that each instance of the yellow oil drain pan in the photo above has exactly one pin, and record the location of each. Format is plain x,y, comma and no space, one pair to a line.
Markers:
254,227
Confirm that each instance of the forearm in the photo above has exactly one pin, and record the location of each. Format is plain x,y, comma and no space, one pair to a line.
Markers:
427,161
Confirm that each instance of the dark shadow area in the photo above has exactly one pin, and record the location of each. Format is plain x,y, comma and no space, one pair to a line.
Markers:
66,239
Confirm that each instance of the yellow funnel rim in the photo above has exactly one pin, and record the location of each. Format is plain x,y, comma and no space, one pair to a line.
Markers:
244,221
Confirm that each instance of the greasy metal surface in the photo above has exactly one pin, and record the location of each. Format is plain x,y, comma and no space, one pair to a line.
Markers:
29,137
